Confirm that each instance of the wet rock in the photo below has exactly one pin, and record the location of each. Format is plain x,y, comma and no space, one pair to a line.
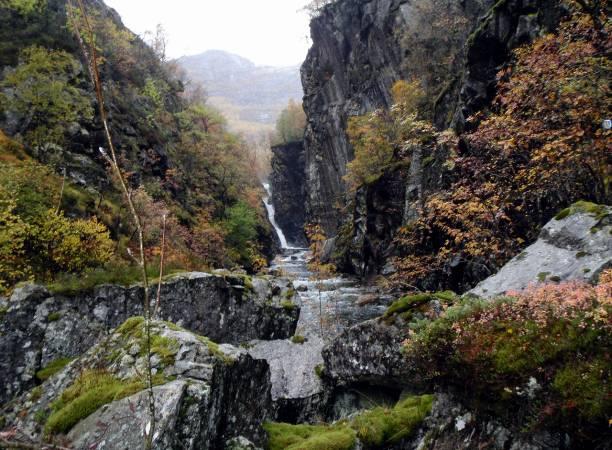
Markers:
298,392
289,190
577,247
199,409
219,306
369,352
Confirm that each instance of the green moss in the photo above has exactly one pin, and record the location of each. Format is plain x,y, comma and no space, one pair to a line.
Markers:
54,317
36,393
407,303
283,436
41,416
52,368
3,312
522,256
319,369
542,276
583,385
290,294
386,426
405,306
581,254
374,428
288,305
166,348
593,209
298,339
93,389
215,350
131,326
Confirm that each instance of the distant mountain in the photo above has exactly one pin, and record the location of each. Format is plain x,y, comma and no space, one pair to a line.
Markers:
250,96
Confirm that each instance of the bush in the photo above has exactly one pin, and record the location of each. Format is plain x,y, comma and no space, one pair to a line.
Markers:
58,244
556,335
43,93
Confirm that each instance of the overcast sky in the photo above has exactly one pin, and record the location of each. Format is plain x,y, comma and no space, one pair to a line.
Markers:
268,32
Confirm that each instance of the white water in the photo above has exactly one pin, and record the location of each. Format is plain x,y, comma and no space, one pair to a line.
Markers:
270,208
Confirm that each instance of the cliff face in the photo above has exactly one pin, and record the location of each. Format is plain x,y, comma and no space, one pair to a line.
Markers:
357,55
354,60
289,190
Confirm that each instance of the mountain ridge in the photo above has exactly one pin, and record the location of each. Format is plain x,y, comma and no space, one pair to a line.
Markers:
250,95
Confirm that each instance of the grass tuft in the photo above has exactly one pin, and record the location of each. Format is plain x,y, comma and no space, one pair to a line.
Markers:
52,368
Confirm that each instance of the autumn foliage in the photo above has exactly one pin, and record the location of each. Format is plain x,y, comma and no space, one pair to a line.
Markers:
540,148
543,353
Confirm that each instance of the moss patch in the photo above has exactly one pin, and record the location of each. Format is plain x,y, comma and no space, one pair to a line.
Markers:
288,305
408,305
91,390
385,426
298,339
283,436
52,368
593,209
374,428
54,317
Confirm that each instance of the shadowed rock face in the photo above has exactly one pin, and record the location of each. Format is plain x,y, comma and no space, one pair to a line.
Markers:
354,60
208,394
39,327
289,190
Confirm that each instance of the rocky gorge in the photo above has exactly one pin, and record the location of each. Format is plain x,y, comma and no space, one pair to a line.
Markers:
344,340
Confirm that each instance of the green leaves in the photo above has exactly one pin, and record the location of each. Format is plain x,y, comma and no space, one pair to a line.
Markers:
42,92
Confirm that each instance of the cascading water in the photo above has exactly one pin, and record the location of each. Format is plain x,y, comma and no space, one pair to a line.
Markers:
270,208
334,302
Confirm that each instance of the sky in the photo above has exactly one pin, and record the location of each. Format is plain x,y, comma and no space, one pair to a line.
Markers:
268,32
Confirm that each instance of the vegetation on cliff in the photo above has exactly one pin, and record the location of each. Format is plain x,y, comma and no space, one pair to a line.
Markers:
539,148
213,214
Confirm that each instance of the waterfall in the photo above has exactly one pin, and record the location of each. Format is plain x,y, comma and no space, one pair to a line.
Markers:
270,208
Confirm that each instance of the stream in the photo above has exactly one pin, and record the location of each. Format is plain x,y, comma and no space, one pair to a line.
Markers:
329,305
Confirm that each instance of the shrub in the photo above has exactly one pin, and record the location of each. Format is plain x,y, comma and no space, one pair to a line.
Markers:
58,244
556,334
44,94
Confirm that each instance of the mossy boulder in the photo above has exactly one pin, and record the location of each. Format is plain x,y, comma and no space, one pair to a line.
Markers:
205,393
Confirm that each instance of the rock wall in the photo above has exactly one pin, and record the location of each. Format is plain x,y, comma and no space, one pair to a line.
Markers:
355,58
38,327
289,190
209,394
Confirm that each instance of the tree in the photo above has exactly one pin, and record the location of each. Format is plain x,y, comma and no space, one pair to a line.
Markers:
314,7
291,123
541,148
158,41
383,138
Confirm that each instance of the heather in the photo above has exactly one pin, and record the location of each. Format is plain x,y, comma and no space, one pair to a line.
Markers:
538,357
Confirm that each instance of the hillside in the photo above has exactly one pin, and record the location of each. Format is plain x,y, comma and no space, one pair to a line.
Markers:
250,96
50,128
